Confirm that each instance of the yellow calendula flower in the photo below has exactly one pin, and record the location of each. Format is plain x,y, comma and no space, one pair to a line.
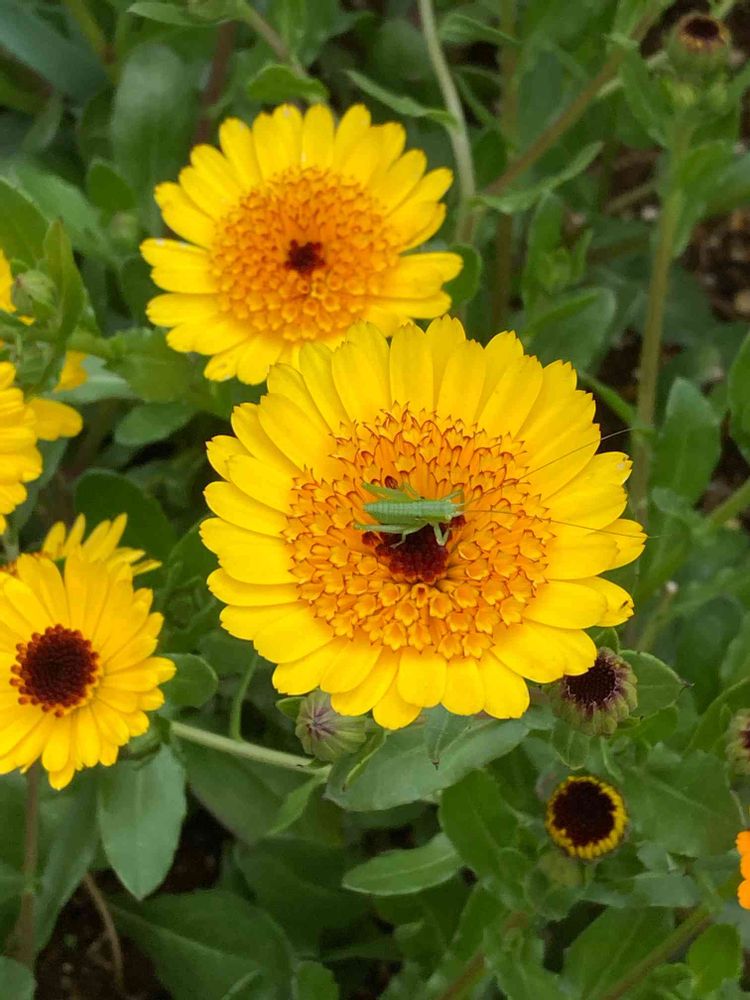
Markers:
22,424
297,229
73,373
102,545
743,846
77,674
586,817
396,625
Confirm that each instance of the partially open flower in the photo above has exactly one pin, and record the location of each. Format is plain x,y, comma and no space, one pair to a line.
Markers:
743,846
699,45
324,733
598,700
738,742
586,817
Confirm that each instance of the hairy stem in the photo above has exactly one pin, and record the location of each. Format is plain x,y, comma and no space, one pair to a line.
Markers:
109,929
235,715
26,945
732,506
239,748
458,132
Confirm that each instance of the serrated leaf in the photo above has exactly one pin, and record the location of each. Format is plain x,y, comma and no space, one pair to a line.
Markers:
141,806
397,873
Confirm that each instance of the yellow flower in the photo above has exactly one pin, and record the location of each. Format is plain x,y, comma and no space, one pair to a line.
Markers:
102,545
20,461
295,231
77,673
743,846
73,373
586,817
393,625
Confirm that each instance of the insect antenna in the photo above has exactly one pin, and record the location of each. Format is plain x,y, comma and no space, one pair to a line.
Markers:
607,437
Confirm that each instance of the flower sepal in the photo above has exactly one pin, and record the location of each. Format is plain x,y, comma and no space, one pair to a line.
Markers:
597,701
324,733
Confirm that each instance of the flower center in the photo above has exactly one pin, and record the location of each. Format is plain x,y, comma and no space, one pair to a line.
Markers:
268,260
746,738
55,670
583,814
702,28
393,591
596,687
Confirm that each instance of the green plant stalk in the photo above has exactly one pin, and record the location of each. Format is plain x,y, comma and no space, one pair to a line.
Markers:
261,27
235,714
239,748
509,128
458,133
654,326
92,32
732,506
24,934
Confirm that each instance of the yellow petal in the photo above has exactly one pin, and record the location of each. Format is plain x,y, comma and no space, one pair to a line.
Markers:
421,677
370,691
506,694
619,603
304,674
293,636
567,605
55,420
512,398
251,595
248,557
464,690
462,383
183,216
411,373
360,372
237,143
349,666
231,504
317,137
392,712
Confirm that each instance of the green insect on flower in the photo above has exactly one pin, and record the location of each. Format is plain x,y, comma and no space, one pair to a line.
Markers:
400,510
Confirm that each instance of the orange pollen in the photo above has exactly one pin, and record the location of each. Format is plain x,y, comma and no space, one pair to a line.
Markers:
455,598
303,256
55,670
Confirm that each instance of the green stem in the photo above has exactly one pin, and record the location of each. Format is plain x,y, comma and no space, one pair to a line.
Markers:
458,132
26,945
654,325
235,715
270,36
630,197
570,115
732,506
509,128
110,931
91,31
698,920
237,748
471,973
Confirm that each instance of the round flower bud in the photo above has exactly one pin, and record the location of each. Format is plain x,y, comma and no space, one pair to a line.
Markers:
586,817
738,742
597,701
699,45
324,733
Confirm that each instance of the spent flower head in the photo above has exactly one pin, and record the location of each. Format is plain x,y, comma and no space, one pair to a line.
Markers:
599,699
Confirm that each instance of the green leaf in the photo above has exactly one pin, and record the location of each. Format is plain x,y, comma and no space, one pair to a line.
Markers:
193,684
715,957
402,771
16,981
441,729
571,745
58,256
151,422
156,372
515,960
313,981
460,29
70,855
520,199
479,823
101,494
32,40
22,226
739,398
644,96
141,806
107,188
465,285
152,120
688,445
574,328
711,727
658,685
396,873
400,103
165,13
683,803
294,805
204,943
276,83
610,946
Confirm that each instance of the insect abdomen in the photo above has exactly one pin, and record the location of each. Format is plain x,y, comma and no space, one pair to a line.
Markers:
429,511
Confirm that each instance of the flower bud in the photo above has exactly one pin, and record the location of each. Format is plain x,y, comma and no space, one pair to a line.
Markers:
586,817
324,733
699,46
597,701
34,294
738,742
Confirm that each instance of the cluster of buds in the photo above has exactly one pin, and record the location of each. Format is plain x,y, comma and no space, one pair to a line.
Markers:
597,701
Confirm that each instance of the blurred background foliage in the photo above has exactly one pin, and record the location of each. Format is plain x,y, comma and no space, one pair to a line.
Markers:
420,868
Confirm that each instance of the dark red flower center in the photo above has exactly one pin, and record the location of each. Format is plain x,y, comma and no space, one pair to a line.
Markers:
702,28
55,669
584,811
597,687
304,258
